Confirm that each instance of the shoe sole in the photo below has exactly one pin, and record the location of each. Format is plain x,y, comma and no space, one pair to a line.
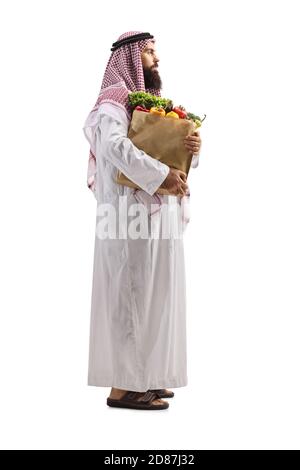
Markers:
122,404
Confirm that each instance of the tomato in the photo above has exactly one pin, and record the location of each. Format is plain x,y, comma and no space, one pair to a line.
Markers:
181,113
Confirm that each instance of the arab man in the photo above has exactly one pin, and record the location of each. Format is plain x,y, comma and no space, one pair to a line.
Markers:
138,306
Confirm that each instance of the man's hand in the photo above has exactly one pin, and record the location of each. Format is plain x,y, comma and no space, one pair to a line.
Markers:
175,182
193,143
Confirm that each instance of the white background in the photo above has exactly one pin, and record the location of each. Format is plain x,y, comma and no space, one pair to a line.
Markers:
238,63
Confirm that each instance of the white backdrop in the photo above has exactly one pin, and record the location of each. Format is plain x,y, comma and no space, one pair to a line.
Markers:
238,63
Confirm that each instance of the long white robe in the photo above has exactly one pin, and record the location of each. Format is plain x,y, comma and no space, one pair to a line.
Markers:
138,305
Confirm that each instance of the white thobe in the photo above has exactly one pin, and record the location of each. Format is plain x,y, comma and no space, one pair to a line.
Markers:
138,305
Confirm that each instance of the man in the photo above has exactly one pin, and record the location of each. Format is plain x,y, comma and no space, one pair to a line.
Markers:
137,329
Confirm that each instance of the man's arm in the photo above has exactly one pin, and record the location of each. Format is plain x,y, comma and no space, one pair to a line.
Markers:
138,166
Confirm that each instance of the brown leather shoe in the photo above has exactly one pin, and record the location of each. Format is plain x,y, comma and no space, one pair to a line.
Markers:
138,401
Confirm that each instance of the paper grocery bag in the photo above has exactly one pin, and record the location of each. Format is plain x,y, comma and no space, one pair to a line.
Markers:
161,138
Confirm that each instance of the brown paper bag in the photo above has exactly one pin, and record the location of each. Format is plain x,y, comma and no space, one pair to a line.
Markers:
161,138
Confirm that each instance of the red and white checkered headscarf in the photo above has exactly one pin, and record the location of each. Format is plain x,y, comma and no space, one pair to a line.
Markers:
123,74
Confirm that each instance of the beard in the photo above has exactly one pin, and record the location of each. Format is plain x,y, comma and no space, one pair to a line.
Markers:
152,78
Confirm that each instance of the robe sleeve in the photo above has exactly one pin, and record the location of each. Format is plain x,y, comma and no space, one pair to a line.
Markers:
195,161
138,166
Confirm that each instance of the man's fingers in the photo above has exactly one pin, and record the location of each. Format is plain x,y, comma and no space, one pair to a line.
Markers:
180,192
182,174
192,138
182,188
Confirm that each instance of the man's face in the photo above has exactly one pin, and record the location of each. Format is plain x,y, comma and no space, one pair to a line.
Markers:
150,63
